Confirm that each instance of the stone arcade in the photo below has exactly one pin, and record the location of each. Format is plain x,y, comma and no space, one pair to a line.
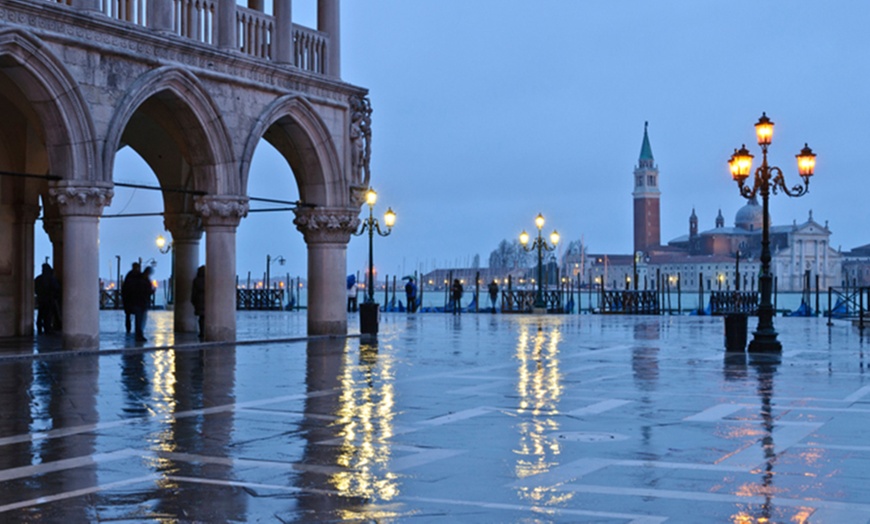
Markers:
192,87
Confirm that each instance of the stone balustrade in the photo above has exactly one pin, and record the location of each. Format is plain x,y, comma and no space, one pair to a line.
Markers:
256,32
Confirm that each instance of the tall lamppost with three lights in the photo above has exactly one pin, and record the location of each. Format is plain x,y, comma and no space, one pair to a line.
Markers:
368,310
541,245
767,179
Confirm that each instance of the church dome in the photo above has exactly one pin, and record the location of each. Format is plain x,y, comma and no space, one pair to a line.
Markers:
750,217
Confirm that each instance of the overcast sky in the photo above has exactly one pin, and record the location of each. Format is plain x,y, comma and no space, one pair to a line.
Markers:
487,112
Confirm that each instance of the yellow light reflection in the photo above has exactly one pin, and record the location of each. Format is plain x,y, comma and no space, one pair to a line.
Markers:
365,418
539,387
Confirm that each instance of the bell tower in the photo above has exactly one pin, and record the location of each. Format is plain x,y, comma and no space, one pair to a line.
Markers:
647,222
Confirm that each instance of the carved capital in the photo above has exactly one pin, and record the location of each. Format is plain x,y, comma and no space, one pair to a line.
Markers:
183,226
81,200
326,225
221,210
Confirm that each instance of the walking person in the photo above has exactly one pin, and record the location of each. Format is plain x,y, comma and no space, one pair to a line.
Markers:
197,298
411,295
47,290
141,292
456,291
134,273
493,293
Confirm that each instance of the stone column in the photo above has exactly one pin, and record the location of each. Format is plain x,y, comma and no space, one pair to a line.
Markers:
220,217
283,50
327,232
80,208
93,5
227,24
186,230
328,16
160,15
25,218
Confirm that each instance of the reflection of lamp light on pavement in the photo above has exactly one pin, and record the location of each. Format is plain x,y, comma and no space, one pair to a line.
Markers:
368,311
767,178
541,245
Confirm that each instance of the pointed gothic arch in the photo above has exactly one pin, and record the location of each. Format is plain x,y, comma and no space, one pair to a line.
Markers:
65,117
293,127
202,134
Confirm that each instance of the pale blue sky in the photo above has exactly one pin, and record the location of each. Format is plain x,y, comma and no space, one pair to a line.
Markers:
487,112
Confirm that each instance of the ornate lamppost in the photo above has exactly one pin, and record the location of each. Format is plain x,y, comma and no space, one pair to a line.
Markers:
368,310
767,178
541,245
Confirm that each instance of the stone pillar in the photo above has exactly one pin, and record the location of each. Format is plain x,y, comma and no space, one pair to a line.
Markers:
327,232
186,230
227,24
93,5
220,217
328,16
160,15
283,50
81,207
25,218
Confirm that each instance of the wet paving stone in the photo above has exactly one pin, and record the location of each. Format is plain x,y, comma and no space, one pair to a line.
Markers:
478,418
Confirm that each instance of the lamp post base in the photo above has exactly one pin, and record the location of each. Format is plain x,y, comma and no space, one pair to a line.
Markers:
765,342
369,316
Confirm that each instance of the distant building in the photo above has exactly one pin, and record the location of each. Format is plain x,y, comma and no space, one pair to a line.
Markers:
709,257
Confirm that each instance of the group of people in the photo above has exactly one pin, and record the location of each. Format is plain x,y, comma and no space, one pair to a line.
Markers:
456,292
137,294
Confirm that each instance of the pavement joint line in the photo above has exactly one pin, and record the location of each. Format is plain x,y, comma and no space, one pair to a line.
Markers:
64,464
856,510
633,518
79,492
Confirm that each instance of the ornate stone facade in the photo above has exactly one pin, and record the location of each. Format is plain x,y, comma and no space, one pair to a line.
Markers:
84,82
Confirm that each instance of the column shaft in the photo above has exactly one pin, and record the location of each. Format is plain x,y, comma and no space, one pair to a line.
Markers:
227,24
283,50
327,232
328,21
186,259
160,14
220,217
220,283
81,207
327,296
81,296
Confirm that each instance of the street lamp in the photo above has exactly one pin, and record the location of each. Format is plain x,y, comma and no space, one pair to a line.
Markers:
165,247
368,311
269,259
767,178
541,245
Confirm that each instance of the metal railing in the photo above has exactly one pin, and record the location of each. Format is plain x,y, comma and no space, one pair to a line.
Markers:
523,301
729,302
630,302
259,299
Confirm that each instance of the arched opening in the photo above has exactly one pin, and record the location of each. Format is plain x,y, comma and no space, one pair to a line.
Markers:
271,254
160,128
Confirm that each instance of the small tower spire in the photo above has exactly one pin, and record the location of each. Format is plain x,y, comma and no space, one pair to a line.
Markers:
646,156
